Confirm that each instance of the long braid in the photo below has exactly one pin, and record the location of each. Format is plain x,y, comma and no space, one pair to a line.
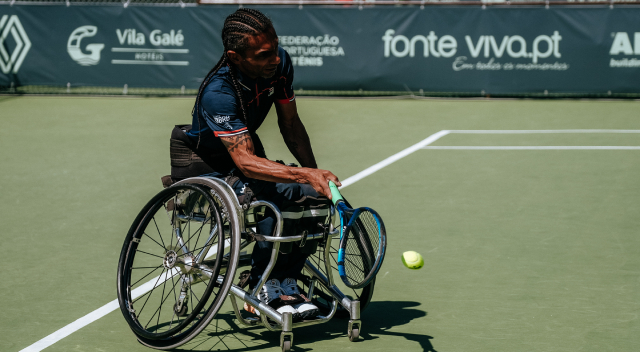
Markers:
237,29
236,86
203,85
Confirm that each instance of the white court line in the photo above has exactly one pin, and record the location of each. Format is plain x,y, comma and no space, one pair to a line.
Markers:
434,137
113,305
542,147
395,157
106,309
540,131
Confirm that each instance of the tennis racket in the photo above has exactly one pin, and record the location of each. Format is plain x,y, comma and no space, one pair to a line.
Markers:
363,242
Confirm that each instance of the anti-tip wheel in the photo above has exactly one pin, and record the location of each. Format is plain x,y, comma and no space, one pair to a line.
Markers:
286,345
354,334
182,312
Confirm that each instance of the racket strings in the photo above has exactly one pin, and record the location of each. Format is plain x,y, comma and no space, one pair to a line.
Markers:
362,247
354,262
370,230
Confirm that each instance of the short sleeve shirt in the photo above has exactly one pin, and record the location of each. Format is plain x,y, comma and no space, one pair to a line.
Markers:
220,113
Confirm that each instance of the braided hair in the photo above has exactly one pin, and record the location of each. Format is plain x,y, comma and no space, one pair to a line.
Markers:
236,32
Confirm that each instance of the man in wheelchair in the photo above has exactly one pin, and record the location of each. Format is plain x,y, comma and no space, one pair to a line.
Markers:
233,101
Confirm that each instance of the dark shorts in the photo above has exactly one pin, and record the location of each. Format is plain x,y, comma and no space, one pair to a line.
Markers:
288,265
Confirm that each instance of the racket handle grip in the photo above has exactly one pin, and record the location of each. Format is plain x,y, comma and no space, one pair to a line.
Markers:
335,193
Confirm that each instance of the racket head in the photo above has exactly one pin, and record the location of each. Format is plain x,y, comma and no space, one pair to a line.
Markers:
362,248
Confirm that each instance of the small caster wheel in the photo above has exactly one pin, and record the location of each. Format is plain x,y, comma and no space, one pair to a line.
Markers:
286,345
183,312
354,334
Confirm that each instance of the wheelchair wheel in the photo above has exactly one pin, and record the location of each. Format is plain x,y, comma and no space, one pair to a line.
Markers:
172,274
321,297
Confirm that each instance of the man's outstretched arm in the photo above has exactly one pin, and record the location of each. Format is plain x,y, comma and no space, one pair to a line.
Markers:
242,152
295,135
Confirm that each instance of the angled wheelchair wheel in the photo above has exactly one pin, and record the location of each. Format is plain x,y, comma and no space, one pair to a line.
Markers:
172,274
321,297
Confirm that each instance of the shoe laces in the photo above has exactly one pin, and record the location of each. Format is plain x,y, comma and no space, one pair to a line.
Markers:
290,287
270,291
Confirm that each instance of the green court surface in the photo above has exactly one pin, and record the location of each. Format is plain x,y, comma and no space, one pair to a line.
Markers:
525,249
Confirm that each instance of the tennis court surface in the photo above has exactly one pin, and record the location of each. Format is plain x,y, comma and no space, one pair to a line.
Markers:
526,212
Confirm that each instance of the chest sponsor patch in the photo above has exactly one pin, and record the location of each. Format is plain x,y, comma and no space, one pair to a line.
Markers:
271,90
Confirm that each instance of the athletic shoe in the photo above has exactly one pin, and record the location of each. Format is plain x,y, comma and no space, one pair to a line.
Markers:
273,295
306,309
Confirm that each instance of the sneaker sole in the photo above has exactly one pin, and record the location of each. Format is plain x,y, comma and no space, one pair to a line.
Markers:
308,314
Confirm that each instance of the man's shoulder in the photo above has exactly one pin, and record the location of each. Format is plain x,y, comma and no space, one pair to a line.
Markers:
219,95
220,82
220,87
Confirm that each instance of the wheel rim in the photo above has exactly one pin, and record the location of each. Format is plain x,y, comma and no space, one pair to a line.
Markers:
161,273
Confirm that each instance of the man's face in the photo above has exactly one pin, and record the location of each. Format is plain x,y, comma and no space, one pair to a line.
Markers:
260,59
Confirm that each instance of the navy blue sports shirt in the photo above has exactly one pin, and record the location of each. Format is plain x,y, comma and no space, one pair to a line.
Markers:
220,107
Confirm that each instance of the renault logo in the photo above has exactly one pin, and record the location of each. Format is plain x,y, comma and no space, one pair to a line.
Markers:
11,61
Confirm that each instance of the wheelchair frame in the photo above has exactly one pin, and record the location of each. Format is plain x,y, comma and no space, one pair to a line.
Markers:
269,317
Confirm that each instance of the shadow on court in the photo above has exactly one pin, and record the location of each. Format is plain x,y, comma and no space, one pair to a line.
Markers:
386,315
378,319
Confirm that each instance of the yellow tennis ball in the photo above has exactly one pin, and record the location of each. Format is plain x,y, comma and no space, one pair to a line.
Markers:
412,260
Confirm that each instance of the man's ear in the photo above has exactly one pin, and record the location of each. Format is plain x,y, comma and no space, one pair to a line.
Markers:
234,57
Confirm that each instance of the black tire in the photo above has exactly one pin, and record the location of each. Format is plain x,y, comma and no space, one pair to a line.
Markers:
192,202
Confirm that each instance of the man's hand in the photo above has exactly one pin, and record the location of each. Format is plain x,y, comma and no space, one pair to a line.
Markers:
319,180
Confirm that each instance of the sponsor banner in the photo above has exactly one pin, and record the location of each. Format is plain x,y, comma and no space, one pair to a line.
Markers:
512,50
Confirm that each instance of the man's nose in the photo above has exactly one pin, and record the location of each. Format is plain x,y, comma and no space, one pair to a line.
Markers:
276,61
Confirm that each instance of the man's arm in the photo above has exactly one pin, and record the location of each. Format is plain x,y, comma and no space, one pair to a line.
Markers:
242,152
295,135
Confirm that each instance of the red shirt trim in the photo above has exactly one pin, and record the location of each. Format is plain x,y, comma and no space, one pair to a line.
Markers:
286,101
229,133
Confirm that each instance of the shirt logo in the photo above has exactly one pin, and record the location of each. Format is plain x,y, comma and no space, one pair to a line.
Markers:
271,90
221,118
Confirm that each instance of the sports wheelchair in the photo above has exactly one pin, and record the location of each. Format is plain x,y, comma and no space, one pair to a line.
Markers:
181,254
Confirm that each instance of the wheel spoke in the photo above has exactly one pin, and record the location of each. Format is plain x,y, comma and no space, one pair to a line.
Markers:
199,231
147,274
159,310
144,233
147,267
199,248
175,304
158,229
137,250
149,293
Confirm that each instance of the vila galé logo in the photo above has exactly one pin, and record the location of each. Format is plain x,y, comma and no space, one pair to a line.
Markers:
137,55
166,46
92,56
132,37
490,47
11,59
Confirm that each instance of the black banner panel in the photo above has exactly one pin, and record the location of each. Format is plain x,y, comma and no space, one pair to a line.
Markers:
495,50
